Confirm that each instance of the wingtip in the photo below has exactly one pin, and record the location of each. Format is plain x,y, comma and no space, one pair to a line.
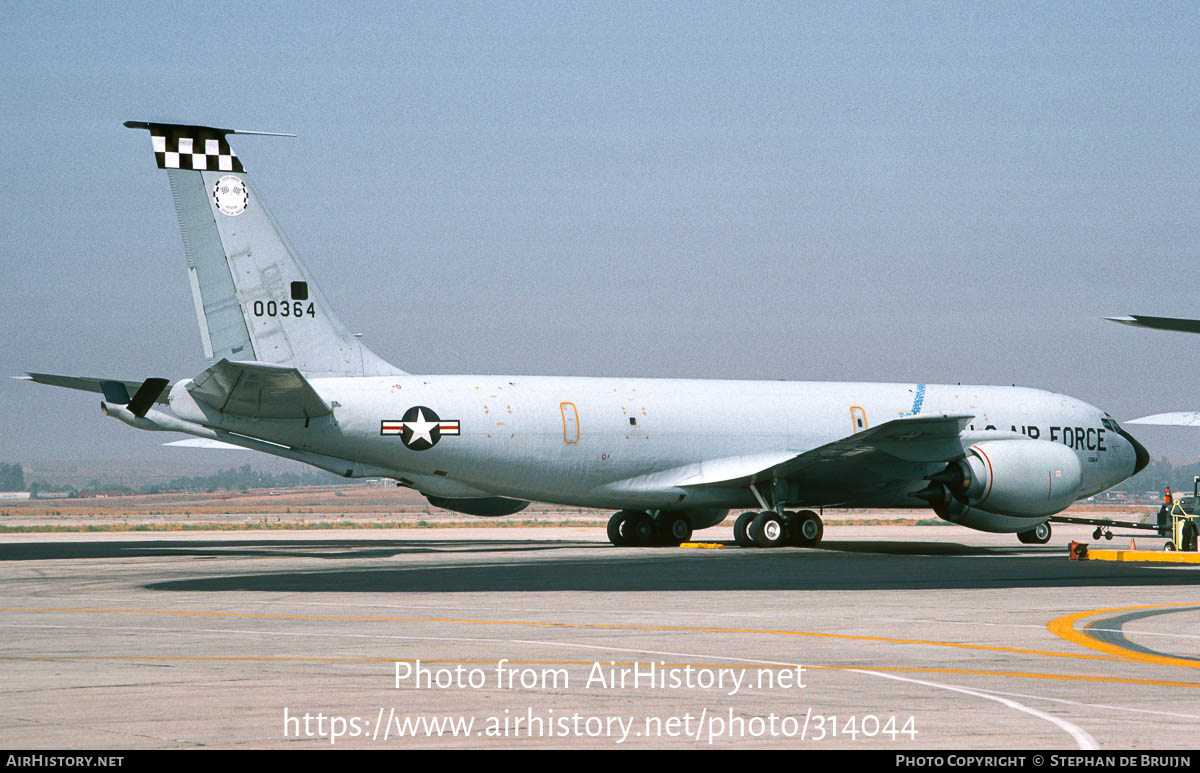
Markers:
26,377
1126,320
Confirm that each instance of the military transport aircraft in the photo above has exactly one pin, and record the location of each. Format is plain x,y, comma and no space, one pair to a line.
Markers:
285,377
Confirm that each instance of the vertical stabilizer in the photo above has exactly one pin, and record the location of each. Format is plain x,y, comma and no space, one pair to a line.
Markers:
255,300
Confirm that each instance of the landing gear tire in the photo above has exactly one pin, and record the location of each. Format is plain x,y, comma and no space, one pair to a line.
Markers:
741,527
1169,547
616,525
807,529
640,528
1108,535
1038,535
674,528
630,527
767,530
1098,533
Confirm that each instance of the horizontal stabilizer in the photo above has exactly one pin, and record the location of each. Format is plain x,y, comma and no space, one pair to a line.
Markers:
202,442
258,389
114,391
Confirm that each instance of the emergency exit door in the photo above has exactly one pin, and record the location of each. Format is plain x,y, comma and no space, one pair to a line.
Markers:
858,418
570,417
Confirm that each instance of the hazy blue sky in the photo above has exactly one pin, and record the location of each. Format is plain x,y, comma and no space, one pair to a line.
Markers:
888,192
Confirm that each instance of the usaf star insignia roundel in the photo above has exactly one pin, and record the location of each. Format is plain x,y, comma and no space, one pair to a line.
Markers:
420,429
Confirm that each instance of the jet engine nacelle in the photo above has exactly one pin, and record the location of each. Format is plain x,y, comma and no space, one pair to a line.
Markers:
703,518
488,507
1026,478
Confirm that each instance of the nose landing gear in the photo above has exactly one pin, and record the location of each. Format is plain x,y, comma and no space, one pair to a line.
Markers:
1038,535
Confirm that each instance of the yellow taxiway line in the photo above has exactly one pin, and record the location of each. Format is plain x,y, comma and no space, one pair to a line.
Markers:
586,626
1064,628
587,664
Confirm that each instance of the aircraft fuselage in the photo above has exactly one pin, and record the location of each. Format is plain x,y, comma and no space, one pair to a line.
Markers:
629,443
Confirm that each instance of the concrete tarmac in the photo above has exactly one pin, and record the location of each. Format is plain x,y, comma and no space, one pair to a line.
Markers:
906,637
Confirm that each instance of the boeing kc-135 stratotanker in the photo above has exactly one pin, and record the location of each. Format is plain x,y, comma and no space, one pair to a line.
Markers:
285,377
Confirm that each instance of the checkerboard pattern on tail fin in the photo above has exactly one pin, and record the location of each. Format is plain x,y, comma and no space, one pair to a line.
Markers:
198,148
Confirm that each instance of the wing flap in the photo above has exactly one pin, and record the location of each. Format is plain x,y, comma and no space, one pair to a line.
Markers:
259,389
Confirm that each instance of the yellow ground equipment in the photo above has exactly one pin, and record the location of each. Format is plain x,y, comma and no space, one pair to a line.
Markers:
1184,523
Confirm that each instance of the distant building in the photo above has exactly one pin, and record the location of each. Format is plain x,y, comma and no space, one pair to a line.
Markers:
11,496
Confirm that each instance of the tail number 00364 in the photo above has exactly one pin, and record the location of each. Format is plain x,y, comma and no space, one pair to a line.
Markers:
283,309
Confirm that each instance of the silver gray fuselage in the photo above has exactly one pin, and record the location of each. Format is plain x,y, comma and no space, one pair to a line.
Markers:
571,441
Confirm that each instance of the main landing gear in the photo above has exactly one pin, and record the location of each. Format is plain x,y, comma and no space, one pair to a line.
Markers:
639,528
769,529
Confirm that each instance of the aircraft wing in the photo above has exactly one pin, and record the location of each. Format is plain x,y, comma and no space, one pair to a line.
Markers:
898,450
1178,324
1178,419
259,389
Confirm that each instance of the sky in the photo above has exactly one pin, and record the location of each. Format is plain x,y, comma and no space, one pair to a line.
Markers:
910,192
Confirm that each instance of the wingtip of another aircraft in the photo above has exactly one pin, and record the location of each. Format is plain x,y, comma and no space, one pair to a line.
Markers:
1175,419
